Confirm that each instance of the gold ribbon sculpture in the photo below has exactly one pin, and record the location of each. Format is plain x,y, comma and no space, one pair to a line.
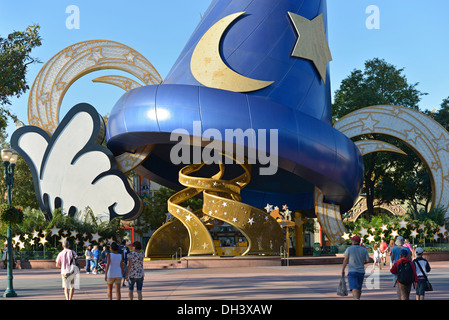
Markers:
221,200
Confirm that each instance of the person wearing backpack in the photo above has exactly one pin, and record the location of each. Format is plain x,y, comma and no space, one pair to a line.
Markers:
422,268
67,260
124,250
406,275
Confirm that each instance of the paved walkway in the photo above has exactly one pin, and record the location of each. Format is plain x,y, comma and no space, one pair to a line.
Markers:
252,283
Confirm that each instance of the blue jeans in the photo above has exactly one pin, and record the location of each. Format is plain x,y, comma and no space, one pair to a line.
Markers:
137,281
88,265
125,268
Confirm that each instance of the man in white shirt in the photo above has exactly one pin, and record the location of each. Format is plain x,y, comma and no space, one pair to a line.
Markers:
68,271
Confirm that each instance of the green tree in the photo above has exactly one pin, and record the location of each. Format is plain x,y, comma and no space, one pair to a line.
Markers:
380,83
23,194
15,56
442,114
155,209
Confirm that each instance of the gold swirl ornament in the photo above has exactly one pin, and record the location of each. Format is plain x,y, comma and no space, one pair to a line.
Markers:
221,201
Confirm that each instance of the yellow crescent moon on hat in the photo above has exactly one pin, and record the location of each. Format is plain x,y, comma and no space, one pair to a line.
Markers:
207,65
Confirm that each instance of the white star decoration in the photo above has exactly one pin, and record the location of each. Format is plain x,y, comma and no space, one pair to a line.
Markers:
54,231
96,237
394,233
130,57
403,224
363,231
43,241
369,123
269,207
95,55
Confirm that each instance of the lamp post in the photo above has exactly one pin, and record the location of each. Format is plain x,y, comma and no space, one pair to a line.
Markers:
9,158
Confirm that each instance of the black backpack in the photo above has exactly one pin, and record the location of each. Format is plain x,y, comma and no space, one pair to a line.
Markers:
405,273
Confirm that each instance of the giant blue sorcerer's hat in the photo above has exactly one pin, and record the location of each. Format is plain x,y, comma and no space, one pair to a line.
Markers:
250,64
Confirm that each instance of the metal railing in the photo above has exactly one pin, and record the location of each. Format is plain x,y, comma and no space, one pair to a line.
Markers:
174,257
284,255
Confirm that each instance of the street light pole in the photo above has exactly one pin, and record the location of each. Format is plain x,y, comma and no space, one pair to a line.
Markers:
9,158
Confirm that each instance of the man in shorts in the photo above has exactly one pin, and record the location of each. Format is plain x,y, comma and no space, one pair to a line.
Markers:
355,258
69,271
383,251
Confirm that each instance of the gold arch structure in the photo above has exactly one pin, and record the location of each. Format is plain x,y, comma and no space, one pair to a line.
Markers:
221,200
74,62
360,207
421,133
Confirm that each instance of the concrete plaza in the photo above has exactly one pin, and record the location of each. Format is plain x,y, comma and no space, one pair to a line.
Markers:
300,282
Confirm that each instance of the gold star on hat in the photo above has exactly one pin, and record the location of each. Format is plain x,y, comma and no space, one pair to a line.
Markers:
312,43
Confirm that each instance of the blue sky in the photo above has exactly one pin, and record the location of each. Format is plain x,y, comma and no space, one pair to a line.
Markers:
412,34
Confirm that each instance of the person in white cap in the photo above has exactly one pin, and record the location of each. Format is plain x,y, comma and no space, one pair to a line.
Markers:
421,273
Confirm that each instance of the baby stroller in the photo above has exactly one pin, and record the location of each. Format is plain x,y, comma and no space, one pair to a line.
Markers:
101,266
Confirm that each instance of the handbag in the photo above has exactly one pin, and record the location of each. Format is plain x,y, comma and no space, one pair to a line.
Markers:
428,284
342,290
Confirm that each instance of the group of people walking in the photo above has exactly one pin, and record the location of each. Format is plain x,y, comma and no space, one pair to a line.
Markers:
405,270
120,265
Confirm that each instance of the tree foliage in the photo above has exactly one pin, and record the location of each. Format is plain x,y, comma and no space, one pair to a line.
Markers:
15,56
387,176
155,210
380,83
